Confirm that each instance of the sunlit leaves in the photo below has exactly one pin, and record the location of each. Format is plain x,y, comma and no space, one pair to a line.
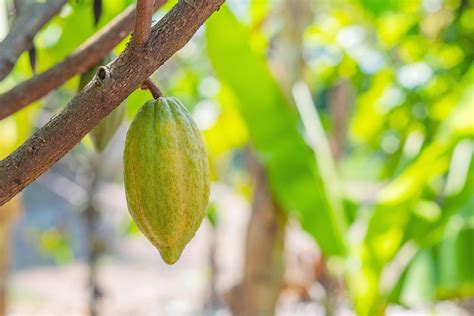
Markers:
15,130
289,161
71,28
368,119
393,28
443,271
378,7
432,162
228,131
57,244
9,137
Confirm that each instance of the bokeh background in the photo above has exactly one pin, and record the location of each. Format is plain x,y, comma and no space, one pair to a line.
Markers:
340,136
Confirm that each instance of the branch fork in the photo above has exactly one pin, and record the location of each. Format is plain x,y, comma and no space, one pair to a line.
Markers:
141,33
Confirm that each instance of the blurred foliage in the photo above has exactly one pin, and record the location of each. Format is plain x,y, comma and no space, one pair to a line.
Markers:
405,224
57,244
288,160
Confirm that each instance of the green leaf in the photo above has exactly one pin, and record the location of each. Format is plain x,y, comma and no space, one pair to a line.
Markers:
377,6
273,126
441,272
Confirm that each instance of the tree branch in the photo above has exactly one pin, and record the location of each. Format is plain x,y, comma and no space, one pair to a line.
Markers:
141,32
105,92
86,56
31,19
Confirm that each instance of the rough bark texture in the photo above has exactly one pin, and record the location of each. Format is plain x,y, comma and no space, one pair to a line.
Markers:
111,85
86,56
31,19
258,292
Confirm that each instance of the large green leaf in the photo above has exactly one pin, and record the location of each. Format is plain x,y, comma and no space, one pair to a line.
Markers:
443,271
273,126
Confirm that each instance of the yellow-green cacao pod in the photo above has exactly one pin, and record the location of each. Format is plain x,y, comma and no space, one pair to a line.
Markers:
166,174
103,133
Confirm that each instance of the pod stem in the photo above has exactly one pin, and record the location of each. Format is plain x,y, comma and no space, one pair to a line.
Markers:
153,88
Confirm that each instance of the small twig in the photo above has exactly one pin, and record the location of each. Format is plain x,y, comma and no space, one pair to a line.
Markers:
141,35
142,29
153,88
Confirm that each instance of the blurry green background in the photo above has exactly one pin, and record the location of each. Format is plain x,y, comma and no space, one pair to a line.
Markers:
360,111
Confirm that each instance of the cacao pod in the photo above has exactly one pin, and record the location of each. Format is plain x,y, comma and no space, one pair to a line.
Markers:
105,130
166,174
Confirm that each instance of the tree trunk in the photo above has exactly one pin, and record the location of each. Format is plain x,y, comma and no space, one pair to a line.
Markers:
213,302
259,289
339,107
95,244
7,214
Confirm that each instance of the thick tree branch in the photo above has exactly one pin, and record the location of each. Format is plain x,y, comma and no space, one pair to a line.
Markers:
141,32
31,19
105,92
86,56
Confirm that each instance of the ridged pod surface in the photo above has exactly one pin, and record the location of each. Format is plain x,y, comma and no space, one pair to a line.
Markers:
166,174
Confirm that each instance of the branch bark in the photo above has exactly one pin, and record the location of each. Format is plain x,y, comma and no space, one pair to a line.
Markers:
86,56
111,85
31,19
141,32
